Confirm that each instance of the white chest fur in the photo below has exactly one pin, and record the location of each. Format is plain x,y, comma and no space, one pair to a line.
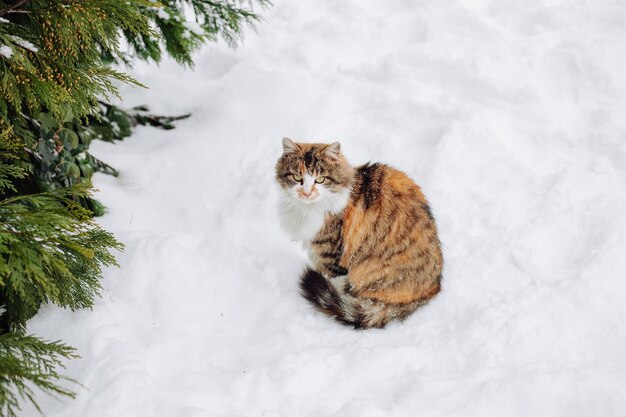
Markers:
303,221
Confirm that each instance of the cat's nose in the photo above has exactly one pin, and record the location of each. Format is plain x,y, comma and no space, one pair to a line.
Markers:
307,193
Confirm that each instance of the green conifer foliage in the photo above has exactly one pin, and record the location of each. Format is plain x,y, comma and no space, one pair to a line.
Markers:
27,362
51,252
55,82
53,60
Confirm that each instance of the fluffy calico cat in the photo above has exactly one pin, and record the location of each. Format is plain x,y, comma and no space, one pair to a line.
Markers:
369,232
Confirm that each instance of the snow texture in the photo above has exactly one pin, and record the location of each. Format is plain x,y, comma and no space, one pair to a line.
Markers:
6,51
510,114
24,43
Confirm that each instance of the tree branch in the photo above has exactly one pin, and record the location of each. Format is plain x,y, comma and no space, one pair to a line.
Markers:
13,9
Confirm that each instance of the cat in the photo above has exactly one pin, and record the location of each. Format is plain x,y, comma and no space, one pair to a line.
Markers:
368,231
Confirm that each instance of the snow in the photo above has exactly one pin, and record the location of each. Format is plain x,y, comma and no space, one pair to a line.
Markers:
162,13
6,51
510,114
24,43
193,27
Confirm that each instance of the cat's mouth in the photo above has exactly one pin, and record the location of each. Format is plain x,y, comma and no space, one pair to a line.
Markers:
307,197
308,200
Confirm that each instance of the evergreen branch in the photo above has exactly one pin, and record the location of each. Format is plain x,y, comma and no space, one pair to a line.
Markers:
51,252
53,70
27,362
103,166
11,168
82,190
14,8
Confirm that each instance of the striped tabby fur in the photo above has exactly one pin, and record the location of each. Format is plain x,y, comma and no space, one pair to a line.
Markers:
375,254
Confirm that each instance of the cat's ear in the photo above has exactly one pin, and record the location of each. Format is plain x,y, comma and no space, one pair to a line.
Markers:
333,150
289,146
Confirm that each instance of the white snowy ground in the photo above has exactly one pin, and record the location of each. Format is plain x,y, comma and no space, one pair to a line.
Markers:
512,116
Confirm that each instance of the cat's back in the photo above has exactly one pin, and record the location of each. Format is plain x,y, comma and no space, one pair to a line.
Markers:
381,187
389,232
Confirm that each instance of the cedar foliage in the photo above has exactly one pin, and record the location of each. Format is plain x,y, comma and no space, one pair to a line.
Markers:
27,361
55,83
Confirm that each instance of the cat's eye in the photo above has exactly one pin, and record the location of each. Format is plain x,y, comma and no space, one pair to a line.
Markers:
320,180
297,177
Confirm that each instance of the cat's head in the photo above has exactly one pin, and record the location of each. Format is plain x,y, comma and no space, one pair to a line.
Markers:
313,172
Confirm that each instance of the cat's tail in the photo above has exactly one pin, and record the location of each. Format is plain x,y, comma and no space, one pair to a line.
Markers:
333,299
327,298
